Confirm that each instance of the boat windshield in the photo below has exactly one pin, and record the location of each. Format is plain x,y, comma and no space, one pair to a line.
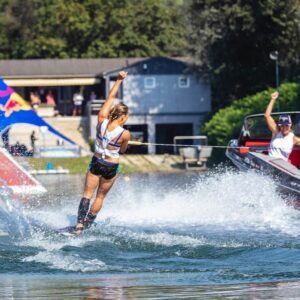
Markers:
255,127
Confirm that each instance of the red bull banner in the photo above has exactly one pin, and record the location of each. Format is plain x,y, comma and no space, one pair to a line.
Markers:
15,110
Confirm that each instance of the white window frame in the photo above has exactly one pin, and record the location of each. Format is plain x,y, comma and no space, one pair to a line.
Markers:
152,85
187,85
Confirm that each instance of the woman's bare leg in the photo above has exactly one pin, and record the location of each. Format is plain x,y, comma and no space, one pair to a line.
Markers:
103,188
91,183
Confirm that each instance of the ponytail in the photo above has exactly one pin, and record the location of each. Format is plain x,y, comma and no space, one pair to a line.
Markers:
117,111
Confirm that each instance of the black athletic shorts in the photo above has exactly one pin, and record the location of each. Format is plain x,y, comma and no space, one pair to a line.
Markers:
100,167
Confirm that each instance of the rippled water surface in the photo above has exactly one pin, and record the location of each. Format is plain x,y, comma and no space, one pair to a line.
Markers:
158,236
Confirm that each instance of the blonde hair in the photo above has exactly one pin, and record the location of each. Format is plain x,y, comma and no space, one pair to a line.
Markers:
117,111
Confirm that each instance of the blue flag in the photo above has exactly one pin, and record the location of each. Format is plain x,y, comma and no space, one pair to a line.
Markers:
15,110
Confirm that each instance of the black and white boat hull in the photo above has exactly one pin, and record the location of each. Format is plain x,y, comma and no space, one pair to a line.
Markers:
285,175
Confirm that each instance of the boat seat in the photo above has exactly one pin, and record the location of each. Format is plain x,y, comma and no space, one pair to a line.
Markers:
260,146
294,157
257,143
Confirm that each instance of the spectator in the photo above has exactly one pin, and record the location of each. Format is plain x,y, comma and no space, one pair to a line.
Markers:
50,98
77,99
19,149
93,96
60,142
5,138
33,139
35,100
42,95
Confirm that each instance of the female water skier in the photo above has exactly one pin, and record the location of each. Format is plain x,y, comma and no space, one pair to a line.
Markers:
283,138
110,139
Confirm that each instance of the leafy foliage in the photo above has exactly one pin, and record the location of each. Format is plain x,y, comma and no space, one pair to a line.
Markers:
91,28
227,122
232,40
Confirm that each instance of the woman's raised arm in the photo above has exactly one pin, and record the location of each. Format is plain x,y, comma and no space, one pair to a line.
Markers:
104,111
270,121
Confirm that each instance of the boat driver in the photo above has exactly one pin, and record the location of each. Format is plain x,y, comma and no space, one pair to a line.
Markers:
283,138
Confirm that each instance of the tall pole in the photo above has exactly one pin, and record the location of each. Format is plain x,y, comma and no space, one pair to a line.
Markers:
277,74
277,82
274,56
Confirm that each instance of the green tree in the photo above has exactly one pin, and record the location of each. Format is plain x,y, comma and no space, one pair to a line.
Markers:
231,41
17,19
4,42
92,28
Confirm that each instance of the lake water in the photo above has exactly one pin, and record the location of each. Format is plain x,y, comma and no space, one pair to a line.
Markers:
161,236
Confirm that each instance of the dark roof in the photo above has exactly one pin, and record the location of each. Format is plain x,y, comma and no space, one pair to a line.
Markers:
158,65
65,67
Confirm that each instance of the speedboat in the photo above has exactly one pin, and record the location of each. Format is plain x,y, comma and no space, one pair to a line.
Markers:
250,151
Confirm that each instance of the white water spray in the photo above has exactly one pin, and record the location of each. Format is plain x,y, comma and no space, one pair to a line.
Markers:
228,200
219,210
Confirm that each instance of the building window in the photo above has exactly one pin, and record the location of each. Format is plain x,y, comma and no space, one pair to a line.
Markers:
184,82
149,83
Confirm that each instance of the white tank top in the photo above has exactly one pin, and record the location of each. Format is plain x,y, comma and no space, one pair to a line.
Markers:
104,138
282,146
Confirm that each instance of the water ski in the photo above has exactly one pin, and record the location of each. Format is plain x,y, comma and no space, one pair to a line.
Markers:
71,230
67,231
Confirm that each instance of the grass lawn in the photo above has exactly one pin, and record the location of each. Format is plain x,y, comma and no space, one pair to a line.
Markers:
75,165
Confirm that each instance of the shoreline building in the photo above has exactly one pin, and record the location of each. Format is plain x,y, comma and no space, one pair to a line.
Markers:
164,96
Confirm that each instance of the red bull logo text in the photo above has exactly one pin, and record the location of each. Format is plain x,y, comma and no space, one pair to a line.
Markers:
13,104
